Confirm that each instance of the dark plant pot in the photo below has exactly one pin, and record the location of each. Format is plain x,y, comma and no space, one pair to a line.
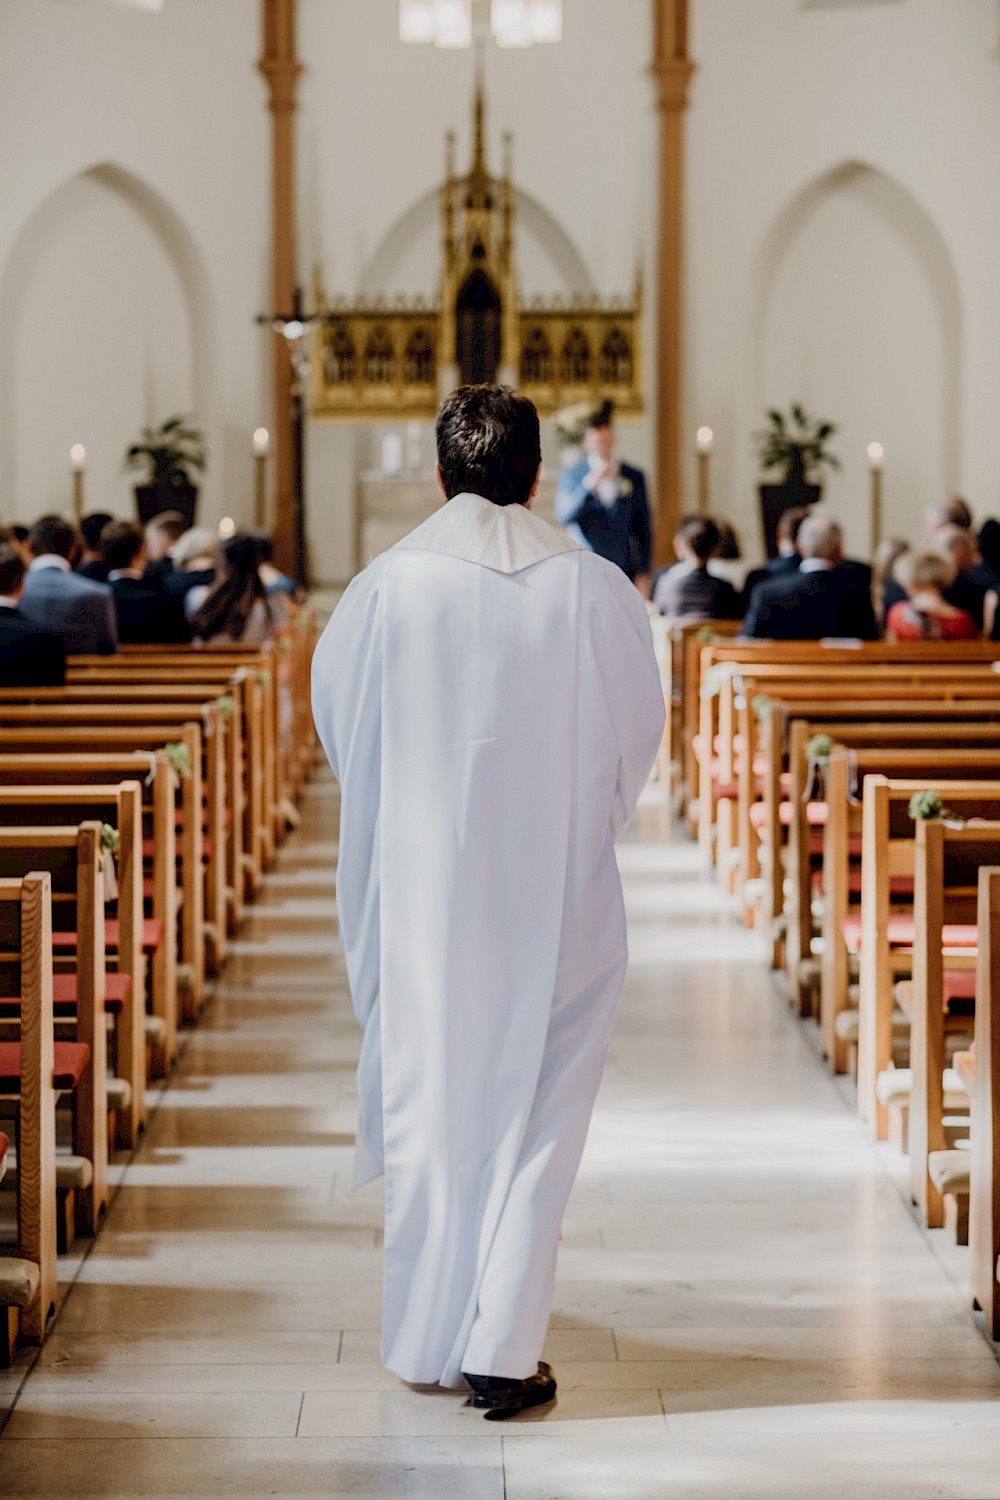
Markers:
153,499
775,499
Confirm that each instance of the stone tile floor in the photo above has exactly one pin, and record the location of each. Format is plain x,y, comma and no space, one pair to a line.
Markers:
745,1306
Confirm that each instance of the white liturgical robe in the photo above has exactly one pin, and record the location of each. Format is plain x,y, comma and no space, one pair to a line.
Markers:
489,700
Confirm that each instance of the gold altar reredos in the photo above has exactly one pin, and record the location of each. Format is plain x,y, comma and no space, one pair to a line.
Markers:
381,360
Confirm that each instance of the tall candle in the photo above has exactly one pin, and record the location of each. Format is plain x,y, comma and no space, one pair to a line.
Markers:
704,438
876,460
77,460
261,449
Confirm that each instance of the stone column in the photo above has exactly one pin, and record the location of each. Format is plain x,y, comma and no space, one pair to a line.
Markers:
282,69
673,69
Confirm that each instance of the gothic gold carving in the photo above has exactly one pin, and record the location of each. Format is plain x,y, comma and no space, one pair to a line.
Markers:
380,360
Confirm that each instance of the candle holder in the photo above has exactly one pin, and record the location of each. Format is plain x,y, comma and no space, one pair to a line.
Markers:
261,449
77,457
876,457
703,444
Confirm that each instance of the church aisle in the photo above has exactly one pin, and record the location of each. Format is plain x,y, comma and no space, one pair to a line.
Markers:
745,1307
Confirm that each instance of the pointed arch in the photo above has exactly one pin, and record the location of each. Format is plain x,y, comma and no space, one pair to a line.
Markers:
182,254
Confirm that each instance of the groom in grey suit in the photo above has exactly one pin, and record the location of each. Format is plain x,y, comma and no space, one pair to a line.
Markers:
58,600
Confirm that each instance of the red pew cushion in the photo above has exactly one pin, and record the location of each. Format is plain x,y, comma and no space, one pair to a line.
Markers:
152,936
900,931
70,1059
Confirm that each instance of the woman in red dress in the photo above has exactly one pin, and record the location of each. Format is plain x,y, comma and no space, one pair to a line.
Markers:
926,615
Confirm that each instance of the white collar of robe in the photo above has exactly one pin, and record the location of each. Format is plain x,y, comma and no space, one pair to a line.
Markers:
506,538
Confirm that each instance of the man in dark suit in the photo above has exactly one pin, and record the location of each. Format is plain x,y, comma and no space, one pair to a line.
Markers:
603,503
90,563
57,599
147,615
28,657
788,559
690,591
825,597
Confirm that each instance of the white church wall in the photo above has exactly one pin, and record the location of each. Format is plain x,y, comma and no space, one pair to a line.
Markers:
899,343
878,309
172,102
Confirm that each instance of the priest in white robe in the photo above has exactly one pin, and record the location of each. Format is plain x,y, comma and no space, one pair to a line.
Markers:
488,697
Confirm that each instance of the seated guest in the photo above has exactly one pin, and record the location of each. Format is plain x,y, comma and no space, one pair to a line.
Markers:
90,563
887,554
685,593
194,560
147,614
728,562
987,570
28,657
237,609
16,538
787,560
274,581
940,523
824,598
163,533
55,598
957,546
926,615
681,553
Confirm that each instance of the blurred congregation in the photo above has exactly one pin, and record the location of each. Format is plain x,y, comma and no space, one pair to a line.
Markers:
78,592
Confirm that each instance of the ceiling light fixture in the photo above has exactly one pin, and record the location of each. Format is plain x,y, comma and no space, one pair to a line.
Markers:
448,23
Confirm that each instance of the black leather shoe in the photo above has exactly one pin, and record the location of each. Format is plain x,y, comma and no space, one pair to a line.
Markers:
501,1398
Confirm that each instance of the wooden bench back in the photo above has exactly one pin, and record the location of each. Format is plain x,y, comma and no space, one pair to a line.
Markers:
71,856
26,933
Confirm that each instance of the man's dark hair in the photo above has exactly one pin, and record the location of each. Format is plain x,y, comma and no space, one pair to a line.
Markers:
121,543
702,536
604,416
489,443
52,534
91,528
11,570
18,532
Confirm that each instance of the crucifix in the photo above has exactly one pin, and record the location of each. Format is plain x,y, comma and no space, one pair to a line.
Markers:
296,328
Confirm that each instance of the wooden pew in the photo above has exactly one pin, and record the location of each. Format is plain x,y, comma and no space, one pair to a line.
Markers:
730,713
72,857
920,756
104,706
204,902
156,781
29,1097
946,883
785,812
53,737
889,848
119,807
982,1072
252,772
930,746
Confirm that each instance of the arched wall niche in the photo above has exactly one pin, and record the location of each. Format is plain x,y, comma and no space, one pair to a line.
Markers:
106,322
855,311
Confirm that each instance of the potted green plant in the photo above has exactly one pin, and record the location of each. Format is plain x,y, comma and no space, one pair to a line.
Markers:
797,446
170,456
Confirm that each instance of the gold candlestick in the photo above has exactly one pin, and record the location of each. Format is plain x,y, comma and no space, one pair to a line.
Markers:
703,443
77,457
876,454
261,449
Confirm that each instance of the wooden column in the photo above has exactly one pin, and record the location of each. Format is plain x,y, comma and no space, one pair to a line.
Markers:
673,70
282,69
